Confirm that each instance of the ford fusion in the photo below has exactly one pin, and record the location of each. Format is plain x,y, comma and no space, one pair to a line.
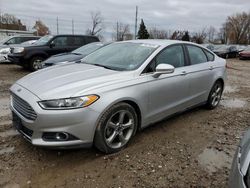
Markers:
114,92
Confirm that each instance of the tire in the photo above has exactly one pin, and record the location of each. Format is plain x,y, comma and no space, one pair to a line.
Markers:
36,63
116,128
215,95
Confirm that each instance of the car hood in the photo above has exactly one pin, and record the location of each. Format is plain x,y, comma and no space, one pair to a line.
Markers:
64,81
245,52
62,58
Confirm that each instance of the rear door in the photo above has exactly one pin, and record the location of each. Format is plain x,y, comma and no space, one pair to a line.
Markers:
200,70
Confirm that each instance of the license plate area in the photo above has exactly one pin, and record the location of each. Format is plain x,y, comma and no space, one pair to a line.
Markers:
17,123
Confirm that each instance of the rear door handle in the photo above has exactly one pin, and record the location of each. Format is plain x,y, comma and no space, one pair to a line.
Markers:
211,68
183,73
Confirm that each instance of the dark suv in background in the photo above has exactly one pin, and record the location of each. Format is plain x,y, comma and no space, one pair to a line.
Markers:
32,56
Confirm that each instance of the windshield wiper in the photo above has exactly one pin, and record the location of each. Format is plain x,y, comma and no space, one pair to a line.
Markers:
75,53
106,67
99,65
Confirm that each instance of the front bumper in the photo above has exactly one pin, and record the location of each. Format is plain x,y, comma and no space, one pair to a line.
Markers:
4,58
17,59
81,123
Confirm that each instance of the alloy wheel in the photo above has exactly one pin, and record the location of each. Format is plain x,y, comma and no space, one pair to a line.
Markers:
119,129
216,95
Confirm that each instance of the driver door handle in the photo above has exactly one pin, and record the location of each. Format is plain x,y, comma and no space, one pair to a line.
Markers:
211,67
183,73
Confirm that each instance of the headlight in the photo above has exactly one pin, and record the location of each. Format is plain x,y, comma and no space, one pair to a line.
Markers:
69,103
4,50
18,50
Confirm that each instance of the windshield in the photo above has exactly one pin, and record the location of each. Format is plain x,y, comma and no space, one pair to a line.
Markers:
121,56
4,40
88,49
44,40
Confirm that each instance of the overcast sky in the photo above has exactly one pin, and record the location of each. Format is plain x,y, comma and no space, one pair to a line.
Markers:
190,15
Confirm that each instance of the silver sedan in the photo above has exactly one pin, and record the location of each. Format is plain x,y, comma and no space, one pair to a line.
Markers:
114,92
240,172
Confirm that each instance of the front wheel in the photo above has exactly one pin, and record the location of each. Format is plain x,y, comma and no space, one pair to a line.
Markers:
36,63
116,128
215,95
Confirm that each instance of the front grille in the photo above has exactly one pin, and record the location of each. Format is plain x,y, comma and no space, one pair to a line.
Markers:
23,107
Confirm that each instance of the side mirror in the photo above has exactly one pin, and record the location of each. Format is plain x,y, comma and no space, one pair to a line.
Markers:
163,69
52,44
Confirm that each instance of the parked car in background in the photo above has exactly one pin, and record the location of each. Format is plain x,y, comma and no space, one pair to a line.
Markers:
10,42
241,47
226,52
240,171
245,54
209,46
29,42
17,40
32,56
75,55
115,91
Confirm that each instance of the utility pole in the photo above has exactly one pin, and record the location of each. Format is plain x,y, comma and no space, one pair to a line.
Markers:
72,26
57,29
117,35
136,14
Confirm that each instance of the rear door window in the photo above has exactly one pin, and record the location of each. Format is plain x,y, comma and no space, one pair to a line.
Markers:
76,41
210,56
91,39
196,55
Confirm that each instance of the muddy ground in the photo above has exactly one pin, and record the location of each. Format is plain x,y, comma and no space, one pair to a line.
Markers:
194,149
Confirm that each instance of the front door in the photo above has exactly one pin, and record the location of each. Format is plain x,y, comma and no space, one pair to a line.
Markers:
168,92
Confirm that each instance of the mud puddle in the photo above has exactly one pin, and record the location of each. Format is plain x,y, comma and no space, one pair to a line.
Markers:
234,103
8,133
7,150
212,160
230,89
4,107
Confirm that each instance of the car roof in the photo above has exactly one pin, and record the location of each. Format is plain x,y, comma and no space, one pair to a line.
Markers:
160,42
74,35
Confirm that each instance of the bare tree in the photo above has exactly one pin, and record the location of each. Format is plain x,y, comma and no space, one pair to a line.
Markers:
199,36
211,33
9,21
155,33
41,28
237,28
122,32
177,35
97,23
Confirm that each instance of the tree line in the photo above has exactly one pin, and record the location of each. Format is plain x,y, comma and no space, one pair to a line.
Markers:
235,30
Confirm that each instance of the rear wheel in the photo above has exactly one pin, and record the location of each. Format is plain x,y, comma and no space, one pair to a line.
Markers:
215,95
36,63
116,128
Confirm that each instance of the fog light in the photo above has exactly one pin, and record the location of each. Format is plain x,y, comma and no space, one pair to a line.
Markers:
58,136
62,136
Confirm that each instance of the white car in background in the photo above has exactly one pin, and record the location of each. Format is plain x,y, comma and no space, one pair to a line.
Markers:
9,42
